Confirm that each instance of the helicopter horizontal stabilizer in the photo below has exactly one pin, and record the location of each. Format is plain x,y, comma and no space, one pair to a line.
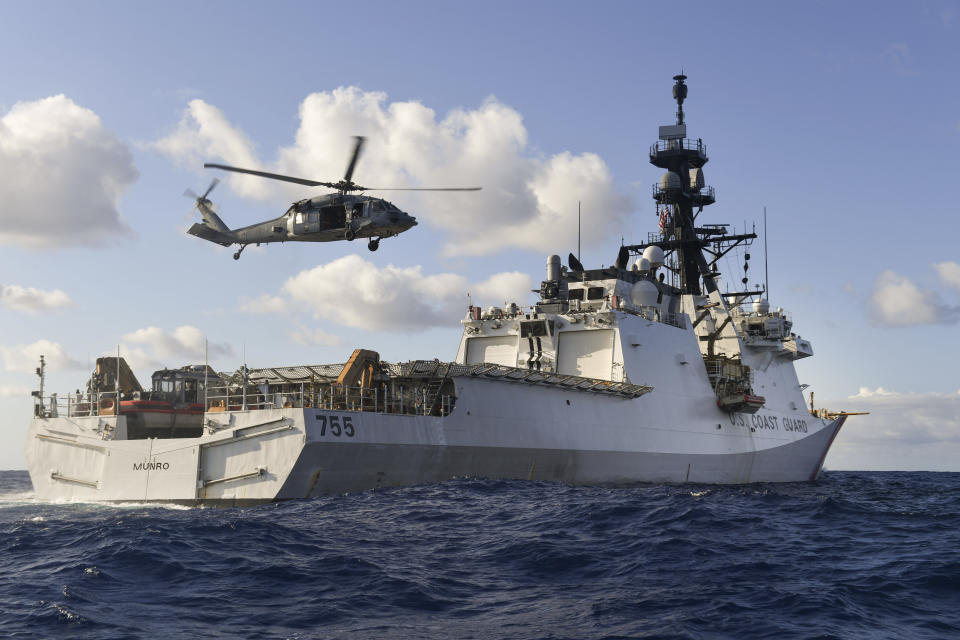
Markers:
203,231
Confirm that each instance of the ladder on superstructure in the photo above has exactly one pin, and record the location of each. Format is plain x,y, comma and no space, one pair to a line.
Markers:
434,386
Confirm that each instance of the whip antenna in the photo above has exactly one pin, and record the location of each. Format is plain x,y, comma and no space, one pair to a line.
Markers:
766,263
578,229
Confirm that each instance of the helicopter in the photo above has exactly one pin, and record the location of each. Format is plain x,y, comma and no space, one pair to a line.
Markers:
326,218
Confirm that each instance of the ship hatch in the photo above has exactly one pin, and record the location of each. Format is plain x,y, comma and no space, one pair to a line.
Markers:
493,350
586,353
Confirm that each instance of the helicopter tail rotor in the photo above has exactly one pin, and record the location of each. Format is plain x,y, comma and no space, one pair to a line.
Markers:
190,193
212,228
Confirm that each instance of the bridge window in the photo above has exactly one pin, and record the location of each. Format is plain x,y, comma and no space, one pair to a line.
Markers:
595,293
533,329
575,294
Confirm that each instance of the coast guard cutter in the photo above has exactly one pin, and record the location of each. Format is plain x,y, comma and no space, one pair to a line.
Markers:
639,372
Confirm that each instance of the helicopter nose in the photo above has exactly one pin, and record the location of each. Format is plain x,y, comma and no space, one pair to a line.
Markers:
408,221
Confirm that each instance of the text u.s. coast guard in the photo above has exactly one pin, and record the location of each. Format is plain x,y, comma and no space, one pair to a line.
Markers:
768,422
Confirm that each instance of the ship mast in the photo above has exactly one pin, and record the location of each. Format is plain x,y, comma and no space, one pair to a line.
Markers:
679,192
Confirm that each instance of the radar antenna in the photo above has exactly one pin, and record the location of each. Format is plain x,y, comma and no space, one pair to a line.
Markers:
681,195
680,94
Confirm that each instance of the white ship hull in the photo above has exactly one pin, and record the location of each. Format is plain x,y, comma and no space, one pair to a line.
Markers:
497,430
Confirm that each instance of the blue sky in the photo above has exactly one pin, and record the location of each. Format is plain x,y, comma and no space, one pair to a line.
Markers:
843,119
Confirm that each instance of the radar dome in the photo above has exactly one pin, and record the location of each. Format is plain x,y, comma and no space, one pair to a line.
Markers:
644,294
654,255
670,182
642,264
761,306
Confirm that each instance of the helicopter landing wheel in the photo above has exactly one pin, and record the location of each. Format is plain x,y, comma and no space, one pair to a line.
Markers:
373,244
236,256
350,235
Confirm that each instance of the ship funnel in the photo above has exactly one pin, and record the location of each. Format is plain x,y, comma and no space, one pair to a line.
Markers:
553,267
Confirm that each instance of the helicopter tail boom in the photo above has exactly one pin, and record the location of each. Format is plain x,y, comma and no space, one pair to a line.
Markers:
212,228
211,219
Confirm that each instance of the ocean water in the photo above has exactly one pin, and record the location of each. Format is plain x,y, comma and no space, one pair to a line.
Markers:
854,555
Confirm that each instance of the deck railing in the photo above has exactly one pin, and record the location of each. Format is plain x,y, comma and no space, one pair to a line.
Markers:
384,398
686,144
414,400
76,405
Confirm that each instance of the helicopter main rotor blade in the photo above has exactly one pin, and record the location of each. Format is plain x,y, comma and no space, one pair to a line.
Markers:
272,176
343,185
420,188
357,146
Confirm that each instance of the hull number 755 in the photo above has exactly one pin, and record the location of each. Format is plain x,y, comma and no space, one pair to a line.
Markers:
338,425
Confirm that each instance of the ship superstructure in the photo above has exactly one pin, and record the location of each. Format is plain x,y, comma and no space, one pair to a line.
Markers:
643,371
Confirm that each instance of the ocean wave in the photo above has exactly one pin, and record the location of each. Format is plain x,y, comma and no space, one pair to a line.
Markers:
852,555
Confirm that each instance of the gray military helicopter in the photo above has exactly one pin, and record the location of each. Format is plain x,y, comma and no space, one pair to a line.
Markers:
326,218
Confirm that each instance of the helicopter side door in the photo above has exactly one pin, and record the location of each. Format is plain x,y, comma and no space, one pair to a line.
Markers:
334,217
313,221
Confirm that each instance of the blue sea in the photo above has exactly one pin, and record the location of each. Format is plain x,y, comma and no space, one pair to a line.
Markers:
854,555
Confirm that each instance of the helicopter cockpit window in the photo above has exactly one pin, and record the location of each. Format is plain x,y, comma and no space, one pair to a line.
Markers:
299,218
377,205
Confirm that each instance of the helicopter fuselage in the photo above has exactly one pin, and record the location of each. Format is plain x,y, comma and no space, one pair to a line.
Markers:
325,218
334,216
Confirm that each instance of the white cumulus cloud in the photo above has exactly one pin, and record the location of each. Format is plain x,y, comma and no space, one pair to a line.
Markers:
897,301
14,390
31,300
904,431
356,293
264,304
155,348
26,357
949,273
63,175
203,135
307,336
528,200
